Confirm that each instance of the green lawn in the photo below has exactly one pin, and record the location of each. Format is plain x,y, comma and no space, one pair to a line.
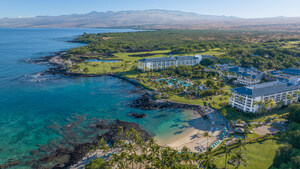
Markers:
258,155
274,115
291,44
127,62
124,67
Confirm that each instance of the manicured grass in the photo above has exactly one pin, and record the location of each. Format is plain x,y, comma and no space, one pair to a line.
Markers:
127,62
274,115
252,136
258,155
291,44
214,52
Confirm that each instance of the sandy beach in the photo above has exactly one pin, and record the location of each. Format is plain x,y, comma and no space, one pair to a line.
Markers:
193,135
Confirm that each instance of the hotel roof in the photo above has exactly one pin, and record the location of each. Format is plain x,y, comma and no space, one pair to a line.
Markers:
291,71
265,88
170,58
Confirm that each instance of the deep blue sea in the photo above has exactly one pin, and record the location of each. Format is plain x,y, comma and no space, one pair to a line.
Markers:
35,110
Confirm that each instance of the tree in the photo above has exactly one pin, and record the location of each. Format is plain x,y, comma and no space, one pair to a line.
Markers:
239,158
86,70
206,134
294,112
227,152
210,83
208,62
224,112
103,145
232,123
207,160
241,143
98,163
247,131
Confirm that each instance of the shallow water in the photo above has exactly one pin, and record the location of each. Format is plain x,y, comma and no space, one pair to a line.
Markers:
34,108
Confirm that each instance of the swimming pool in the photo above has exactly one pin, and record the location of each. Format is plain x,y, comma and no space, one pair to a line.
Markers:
171,84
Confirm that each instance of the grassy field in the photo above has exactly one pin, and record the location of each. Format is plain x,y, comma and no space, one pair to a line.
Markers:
127,62
291,44
258,155
274,115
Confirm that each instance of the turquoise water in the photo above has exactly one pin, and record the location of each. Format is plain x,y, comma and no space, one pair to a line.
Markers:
36,110
170,83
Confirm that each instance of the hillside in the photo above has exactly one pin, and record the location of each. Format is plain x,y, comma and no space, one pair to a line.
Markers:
155,19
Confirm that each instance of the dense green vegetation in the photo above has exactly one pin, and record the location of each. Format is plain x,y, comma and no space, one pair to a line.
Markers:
241,48
132,151
288,156
263,50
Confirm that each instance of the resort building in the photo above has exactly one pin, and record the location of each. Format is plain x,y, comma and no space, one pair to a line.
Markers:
286,74
246,98
244,76
164,62
291,71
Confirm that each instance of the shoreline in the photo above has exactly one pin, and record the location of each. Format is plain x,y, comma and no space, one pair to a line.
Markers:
145,102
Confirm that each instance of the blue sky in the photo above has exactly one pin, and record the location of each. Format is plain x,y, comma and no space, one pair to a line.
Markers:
240,8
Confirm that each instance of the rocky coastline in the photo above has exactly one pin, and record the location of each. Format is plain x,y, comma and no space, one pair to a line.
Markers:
146,102
64,157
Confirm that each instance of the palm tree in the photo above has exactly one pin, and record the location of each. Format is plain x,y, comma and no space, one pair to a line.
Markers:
290,97
260,105
246,131
207,161
103,145
206,134
241,143
140,160
239,158
185,152
227,152
231,123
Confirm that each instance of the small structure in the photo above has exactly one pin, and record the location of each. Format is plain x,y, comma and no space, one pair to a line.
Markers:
239,130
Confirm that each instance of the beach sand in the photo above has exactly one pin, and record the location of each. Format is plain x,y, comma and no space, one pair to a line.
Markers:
192,136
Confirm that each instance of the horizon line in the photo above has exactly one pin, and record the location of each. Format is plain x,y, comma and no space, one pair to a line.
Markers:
26,17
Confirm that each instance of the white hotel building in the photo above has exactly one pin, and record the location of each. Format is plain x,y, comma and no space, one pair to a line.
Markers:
164,62
244,98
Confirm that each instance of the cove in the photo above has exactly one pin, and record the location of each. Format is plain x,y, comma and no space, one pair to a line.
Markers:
32,106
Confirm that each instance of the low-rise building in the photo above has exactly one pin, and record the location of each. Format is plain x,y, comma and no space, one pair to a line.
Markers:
291,71
164,62
244,76
246,98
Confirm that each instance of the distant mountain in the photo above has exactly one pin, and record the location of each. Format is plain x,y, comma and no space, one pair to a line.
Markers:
154,19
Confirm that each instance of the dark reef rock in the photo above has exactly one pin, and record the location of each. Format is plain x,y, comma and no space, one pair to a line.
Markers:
9,163
101,124
145,102
78,151
112,135
136,115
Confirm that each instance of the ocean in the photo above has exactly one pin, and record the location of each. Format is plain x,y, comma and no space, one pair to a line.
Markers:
35,109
